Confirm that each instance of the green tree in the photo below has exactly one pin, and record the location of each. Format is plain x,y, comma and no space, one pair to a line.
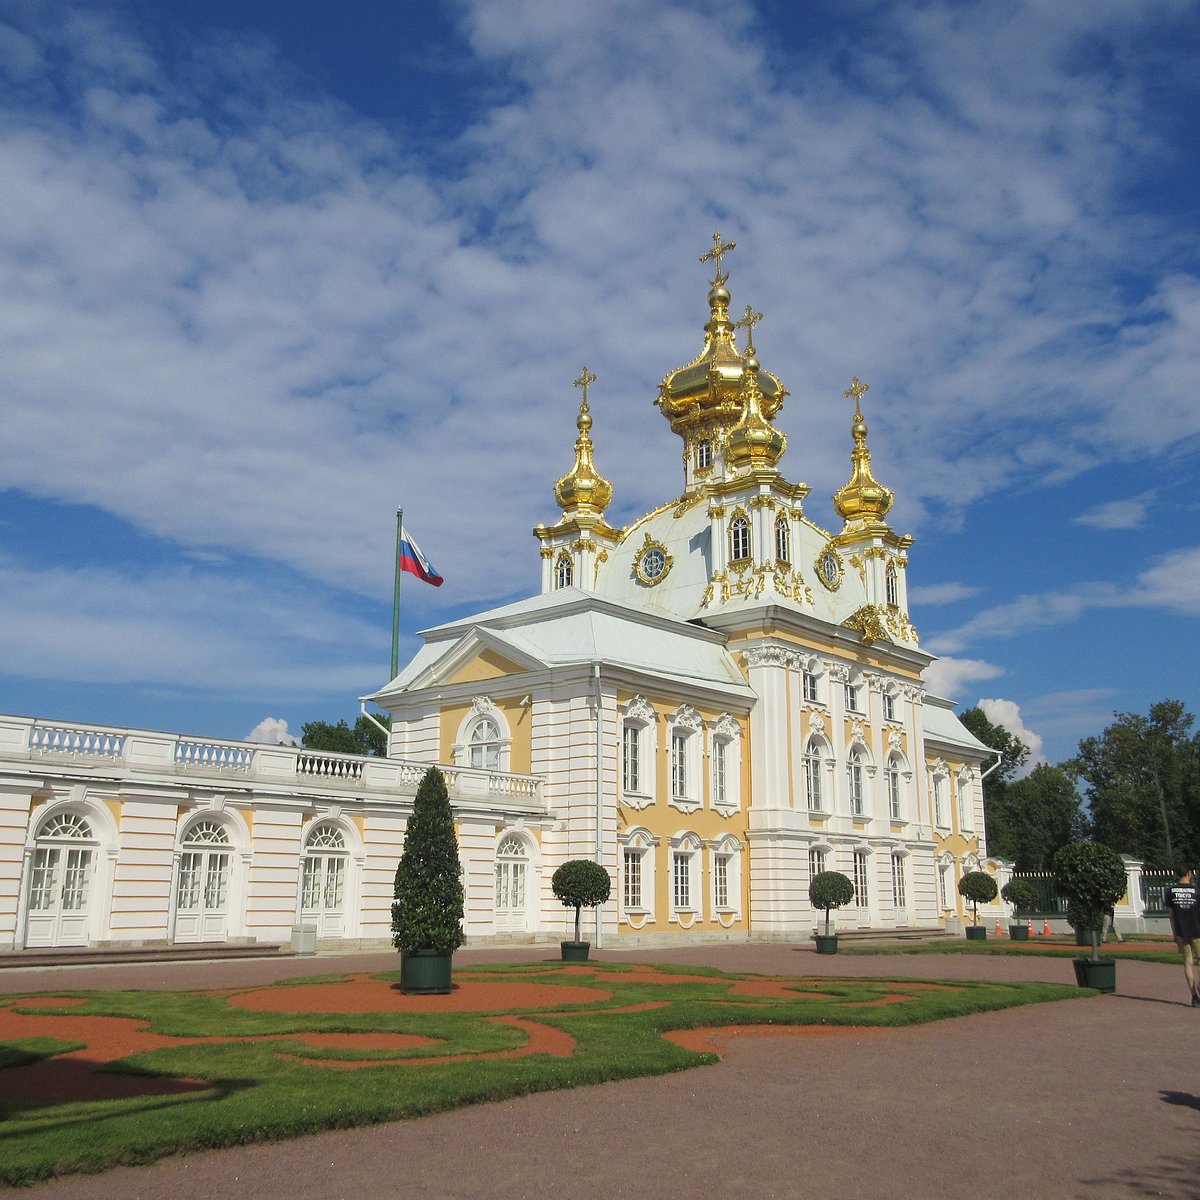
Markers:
1002,839
427,911
579,884
1143,784
1044,813
360,738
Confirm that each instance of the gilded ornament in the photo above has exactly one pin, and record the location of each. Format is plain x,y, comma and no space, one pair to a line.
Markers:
830,567
653,563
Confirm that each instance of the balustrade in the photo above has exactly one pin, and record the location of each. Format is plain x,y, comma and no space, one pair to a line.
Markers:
81,743
213,756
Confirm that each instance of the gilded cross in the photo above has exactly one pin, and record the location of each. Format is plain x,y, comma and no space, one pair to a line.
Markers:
584,379
719,248
857,389
748,323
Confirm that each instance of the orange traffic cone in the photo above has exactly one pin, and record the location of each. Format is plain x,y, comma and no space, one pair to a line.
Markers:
1030,927
1045,927
999,932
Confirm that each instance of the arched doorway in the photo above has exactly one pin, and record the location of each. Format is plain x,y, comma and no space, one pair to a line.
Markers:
512,885
323,871
202,882
60,882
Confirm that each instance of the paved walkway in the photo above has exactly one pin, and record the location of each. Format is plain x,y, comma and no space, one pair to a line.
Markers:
1089,1098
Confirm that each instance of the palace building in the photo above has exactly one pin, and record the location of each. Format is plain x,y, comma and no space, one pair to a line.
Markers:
715,702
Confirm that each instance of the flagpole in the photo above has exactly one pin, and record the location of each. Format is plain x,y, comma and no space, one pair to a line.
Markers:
396,597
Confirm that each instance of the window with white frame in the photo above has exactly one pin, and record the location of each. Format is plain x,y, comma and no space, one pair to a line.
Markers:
484,744
940,785
808,683
685,744
943,889
964,803
704,454
860,878
889,706
739,538
685,866
726,764
892,776
637,752
726,876
564,572
813,771
816,861
852,695
631,758
637,875
855,782
891,590
721,881
783,540
899,901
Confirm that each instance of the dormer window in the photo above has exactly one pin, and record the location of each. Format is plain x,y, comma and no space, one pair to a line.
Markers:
739,538
783,541
892,592
564,571
704,454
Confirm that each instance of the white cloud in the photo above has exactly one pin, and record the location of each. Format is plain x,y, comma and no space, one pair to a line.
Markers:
1008,714
1118,514
271,730
949,676
941,593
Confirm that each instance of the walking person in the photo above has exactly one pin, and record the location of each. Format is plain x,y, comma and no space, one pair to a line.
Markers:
1183,907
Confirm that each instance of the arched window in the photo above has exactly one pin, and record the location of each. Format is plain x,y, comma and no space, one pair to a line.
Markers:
704,454
483,745
854,778
202,882
638,749
323,878
892,776
893,594
813,765
564,571
512,883
739,538
59,884
861,879
783,540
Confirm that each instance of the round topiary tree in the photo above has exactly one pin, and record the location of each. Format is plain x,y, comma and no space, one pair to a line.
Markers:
829,890
427,910
1020,893
1092,878
579,884
977,887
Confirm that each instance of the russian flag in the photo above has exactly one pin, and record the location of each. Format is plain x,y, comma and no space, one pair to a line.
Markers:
415,563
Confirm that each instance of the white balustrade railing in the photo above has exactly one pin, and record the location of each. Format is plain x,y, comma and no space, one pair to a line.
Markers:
329,766
79,743
213,756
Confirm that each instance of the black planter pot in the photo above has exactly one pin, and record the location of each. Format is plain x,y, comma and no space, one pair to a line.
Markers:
1083,937
1018,933
425,973
575,951
976,933
826,943
1100,974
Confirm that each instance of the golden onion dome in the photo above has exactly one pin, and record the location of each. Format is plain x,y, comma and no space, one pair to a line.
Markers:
705,396
583,487
864,498
753,441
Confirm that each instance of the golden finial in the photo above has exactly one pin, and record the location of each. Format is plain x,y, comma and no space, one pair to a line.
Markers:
748,323
719,248
584,379
858,390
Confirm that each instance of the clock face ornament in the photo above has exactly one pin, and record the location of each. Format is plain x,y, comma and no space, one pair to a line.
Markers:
829,568
653,562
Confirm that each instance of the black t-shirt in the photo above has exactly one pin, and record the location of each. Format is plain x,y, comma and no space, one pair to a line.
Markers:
1183,900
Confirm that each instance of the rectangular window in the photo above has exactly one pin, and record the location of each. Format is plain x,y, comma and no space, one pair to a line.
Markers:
942,886
189,881
681,879
889,706
810,687
633,879
721,881
816,862
898,882
852,697
855,775
964,805
720,752
631,774
74,891
41,889
812,779
860,878
893,790
679,780
310,884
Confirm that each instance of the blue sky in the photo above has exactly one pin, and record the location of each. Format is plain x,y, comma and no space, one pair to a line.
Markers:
269,270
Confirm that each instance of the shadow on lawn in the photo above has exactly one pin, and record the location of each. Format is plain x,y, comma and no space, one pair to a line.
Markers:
65,1080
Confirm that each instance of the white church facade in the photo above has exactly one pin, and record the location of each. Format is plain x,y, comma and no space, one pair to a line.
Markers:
715,702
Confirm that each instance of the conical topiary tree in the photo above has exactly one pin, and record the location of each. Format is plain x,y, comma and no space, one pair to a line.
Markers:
427,910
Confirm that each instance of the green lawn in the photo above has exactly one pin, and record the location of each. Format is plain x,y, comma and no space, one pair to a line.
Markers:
253,1089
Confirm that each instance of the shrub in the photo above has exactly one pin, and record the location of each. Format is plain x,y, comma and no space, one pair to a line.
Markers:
979,888
1092,878
830,889
427,910
580,884
1020,893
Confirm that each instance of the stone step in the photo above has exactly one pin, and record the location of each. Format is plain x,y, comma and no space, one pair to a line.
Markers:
95,955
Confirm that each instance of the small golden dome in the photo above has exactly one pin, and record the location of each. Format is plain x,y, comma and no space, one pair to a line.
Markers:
583,487
753,441
864,498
